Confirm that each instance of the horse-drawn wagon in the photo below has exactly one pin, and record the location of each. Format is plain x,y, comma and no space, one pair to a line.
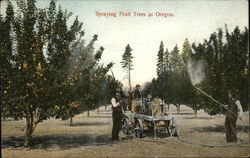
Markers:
148,115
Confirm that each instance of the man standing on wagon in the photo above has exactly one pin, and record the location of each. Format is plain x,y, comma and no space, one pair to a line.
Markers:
137,93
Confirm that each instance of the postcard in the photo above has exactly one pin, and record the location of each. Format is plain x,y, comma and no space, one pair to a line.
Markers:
123,78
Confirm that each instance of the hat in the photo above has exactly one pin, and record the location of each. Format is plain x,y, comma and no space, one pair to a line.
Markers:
149,96
233,92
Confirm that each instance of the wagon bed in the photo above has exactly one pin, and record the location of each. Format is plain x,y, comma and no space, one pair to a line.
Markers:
135,122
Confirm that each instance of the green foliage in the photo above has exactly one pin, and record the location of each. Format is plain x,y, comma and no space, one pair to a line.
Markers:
160,61
167,84
176,62
227,66
127,63
127,58
186,51
226,58
47,70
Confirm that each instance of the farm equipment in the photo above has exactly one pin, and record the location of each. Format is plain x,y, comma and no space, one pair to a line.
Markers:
148,115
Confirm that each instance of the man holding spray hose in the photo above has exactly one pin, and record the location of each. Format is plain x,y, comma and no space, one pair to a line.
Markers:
231,117
196,73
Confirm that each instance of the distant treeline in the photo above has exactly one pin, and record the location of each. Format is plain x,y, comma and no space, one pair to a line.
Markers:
226,58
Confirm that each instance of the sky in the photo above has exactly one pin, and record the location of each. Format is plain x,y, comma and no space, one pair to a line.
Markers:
193,19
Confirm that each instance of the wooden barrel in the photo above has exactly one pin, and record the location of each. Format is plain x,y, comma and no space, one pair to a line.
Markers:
136,106
156,107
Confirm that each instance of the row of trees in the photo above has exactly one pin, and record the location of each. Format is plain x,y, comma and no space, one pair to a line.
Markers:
225,55
47,70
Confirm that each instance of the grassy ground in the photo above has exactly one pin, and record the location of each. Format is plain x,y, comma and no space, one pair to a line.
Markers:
90,137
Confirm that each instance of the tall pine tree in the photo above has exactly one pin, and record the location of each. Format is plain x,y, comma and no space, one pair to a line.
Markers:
160,60
127,63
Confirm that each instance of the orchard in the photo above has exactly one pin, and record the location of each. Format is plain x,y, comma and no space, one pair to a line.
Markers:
47,70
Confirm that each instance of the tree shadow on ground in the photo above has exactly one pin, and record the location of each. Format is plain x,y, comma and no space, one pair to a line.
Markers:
219,128
147,134
128,137
7,119
199,118
106,112
175,110
101,116
63,142
185,113
89,124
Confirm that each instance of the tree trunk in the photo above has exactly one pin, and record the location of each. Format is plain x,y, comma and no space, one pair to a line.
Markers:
129,79
106,107
178,106
97,110
195,113
15,119
71,121
88,113
27,137
169,110
3,116
31,123
29,131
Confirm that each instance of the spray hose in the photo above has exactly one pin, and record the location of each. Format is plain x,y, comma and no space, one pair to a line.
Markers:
180,138
215,100
240,142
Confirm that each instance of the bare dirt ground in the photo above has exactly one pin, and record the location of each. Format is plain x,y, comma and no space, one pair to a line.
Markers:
90,137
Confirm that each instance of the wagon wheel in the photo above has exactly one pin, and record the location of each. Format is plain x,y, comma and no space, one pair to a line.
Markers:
125,126
138,129
173,130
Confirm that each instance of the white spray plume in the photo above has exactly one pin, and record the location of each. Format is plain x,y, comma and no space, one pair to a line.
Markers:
196,71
